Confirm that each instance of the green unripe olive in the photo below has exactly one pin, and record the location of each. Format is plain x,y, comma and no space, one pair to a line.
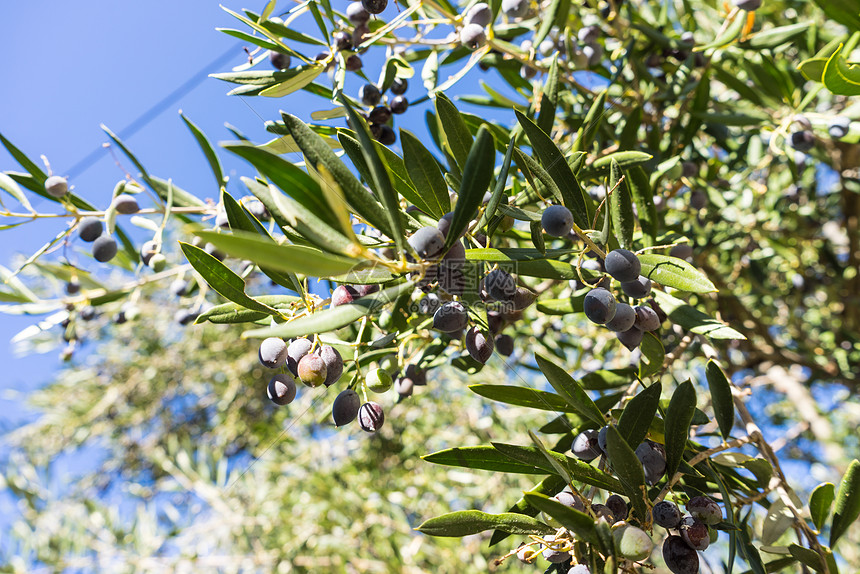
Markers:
632,542
378,380
312,370
158,262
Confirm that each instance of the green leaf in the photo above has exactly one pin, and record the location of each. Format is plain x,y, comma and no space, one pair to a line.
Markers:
466,522
577,522
637,415
228,313
579,470
621,206
557,466
813,559
570,390
779,519
455,134
481,458
318,153
425,175
290,258
843,11
561,306
498,191
11,187
586,132
694,320
675,273
727,34
840,76
548,19
628,468
379,174
773,37
721,397
813,69
333,318
748,551
524,397
600,166
653,355
207,149
222,279
549,486
820,502
554,163
549,98
304,75
679,415
477,175
28,164
847,507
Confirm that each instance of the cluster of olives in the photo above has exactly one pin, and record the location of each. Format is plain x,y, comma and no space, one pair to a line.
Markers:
379,114
315,367
693,531
591,443
802,139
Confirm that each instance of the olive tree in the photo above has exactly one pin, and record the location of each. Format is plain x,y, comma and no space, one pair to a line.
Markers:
655,232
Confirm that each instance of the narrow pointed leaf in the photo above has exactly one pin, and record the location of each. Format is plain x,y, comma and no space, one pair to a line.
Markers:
637,415
466,522
585,134
207,149
679,415
569,389
653,355
721,397
554,163
550,486
621,206
481,458
847,507
379,174
230,313
222,279
549,98
456,135
577,522
629,470
334,318
477,175
643,197
499,190
557,465
694,320
524,397
577,469
820,502
424,172
674,272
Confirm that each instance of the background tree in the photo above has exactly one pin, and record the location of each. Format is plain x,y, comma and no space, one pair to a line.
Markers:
664,231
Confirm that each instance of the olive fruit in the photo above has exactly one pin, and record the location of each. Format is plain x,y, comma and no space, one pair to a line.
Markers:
570,500
363,290
398,105
515,8
429,304
802,140
273,352
104,248
90,228
682,251
839,127
356,13
479,14
179,287
279,60
653,459
646,318
679,557
378,380
748,5
473,36
369,95
158,262
379,114
353,63
588,34
312,370
374,6
147,251
631,338
504,344
415,374
501,285
333,364
404,387
622,264
585,446
698,199
56,186
633,543
705,509
281,389
342,40
399,86
480,347
256,208
666,514
186,316
695,533
599,306
557,220
427,242
343,294
593,52
526,553
295,351
602,511
552,555
623,319
450,317
73,287
579,569
386,135
639,288
125,204
618,507
602,439
371,417
345,407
